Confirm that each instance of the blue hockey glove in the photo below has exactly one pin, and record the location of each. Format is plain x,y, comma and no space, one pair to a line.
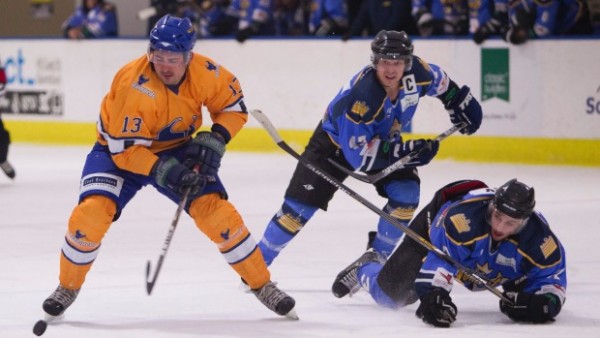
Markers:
425,151
171,174
530,307
464,108
437,308
206,151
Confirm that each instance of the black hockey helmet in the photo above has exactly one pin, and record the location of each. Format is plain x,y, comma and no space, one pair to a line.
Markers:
515,199
392,45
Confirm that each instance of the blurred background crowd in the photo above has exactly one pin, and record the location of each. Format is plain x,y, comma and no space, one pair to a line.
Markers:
515,21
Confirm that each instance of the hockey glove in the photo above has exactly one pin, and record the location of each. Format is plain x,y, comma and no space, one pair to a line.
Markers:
424,151
205,150
437,308
425,22
493,26
172,175
382,154
528,307
464,108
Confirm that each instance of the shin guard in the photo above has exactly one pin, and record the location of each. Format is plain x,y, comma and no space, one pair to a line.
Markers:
219,220
283,227
88,223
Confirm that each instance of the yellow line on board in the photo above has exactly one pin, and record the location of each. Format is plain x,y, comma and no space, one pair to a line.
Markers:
581,152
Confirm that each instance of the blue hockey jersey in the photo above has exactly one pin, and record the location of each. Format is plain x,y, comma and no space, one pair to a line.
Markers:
362,112
532,260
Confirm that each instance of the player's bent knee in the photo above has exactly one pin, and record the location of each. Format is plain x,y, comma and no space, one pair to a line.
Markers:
92,217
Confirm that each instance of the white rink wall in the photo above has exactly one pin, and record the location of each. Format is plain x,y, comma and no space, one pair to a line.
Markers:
551,87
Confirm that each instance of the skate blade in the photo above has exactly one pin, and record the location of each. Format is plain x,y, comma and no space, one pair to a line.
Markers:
292,315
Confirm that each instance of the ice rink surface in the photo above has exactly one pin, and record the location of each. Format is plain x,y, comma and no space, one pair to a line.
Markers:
198,295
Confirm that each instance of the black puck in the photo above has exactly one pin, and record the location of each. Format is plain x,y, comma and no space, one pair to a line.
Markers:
40,327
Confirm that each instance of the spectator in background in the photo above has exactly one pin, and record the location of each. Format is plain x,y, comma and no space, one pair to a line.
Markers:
4,135
290,17
328,17
441,17
531,19
376,15
93,19
594,7
488,18
255,18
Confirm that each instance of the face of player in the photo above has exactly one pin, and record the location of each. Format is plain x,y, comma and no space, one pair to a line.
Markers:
503,225
169,66
389,72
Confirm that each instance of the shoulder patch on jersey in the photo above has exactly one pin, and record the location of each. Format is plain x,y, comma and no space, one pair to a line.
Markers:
358,110
212,67
548,246
461,223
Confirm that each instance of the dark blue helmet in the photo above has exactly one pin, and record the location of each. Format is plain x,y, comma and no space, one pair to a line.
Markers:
173,34
515,199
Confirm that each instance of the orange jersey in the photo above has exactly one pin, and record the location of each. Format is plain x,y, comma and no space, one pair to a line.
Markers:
140,116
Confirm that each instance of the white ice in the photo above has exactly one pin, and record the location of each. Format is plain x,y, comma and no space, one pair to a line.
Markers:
197,293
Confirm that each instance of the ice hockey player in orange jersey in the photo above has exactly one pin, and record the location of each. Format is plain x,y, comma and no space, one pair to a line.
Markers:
146,137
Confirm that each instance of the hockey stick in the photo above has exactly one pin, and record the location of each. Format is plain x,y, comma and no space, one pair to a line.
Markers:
268,126
150,282
400,164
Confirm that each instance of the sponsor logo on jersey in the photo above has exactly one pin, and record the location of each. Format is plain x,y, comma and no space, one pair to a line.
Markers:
409,101
506,261
225,234
308,187
139,86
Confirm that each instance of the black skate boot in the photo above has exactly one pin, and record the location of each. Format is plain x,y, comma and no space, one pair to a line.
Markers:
276,300
59,301
346,281
8,169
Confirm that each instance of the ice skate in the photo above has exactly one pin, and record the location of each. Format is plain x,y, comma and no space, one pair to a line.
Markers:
346,282
8,169
276,300
56,304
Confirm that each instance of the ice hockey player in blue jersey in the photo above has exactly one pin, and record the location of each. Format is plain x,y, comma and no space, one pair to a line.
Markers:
495,232
361,130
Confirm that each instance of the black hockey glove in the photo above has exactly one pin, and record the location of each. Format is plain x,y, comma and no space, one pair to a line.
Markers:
516,35
493,26
437,308
388,153
243,34
171,174
425,22
530,307
464,108
206,151
425,151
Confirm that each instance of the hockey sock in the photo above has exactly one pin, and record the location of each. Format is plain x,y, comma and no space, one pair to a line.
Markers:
388,235
403,201
282,228
367,278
